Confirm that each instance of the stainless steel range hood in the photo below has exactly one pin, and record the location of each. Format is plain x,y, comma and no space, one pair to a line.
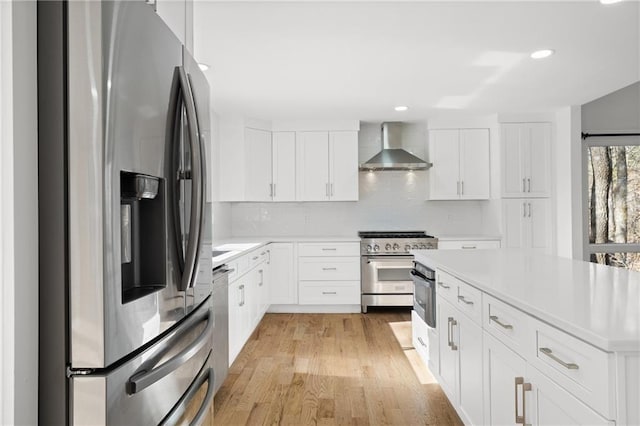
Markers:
393,156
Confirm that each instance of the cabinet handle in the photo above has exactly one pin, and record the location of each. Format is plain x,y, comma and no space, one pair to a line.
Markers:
241,289
525,387
270,190
329,269
421,342
329,249
524,185
568,365
261,272
463,300
524,209
457,187
469,247
461,187
326,189
255,258
446,287
452,323
274,189
501,324
528,185
529,209
331,187
329,292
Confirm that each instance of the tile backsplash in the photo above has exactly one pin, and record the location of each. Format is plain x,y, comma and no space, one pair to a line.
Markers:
389,200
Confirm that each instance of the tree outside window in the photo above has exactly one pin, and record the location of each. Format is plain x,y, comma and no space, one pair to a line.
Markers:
613,166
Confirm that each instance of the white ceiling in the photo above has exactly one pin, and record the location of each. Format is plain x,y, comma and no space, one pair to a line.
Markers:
357,60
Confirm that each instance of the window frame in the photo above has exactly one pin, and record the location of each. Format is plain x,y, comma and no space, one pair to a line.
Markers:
593,248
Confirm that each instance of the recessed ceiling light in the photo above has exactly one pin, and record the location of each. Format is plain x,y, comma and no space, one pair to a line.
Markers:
401,108
610,1
544,53
203,67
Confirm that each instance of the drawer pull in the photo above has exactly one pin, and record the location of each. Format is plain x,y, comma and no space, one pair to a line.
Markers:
329,249
447,287
421,342
255,258
469,247
525,387
568,365
501,324
463,300
329,269
329,292
263,253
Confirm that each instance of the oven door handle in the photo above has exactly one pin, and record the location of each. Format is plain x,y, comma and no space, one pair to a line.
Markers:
418,275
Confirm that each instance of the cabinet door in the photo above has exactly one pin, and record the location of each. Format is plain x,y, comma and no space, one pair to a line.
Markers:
284,166
538,165
258,165
514,213
283,288
470,375
236,321
313,166
514,141
539,221
501,367
444,176
448,353
474,164
553,405
343,166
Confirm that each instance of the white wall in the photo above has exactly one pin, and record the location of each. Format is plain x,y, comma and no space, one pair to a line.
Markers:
19,212
221,212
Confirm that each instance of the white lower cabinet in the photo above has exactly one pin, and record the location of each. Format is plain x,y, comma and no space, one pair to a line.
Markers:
460,341
283,286
248,298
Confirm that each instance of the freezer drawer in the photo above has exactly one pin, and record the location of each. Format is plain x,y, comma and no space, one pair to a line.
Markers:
156,385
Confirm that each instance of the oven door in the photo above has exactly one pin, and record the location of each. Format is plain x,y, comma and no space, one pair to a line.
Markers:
387,274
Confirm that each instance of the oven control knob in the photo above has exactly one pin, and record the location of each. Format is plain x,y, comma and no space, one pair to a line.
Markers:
396,247
376,247
369,248
407,247
422,246
415,247
387,247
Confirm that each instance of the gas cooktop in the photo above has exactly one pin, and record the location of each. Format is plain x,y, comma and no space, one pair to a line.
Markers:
395,242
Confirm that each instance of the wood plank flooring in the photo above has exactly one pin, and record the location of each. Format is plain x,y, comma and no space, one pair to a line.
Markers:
330,369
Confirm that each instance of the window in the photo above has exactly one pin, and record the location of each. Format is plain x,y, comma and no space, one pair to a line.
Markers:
613,200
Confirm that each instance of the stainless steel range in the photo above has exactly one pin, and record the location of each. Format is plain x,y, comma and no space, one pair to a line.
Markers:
386,266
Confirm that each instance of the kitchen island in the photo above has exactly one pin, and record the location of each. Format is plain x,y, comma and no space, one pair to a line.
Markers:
560,336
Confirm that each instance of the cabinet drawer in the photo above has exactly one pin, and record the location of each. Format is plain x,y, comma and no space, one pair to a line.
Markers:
420,337
447,286
329,268
329,293
329,249
468,244
584,370
469,301
505,323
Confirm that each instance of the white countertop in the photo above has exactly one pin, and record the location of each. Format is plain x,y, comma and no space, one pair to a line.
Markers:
596,303
238,246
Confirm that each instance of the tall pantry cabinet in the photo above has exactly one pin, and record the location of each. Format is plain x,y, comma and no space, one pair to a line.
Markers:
526,185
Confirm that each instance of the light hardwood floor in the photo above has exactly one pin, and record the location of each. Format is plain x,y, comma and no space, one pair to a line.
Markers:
331,369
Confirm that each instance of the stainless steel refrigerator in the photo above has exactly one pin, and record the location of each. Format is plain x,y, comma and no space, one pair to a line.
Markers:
125,242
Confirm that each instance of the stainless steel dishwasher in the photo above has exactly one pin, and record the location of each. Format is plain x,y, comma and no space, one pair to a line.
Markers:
221,325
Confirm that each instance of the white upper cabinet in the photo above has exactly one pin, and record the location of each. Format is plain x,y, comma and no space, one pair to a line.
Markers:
343,166
178,15
313,166
258,170
461,167
284,166
526,159
327,166
527,223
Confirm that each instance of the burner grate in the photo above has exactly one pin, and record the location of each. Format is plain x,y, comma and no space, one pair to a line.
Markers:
393,234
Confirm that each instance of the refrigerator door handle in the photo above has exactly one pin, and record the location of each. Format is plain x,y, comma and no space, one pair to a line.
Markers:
178,410
149,374
197,200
